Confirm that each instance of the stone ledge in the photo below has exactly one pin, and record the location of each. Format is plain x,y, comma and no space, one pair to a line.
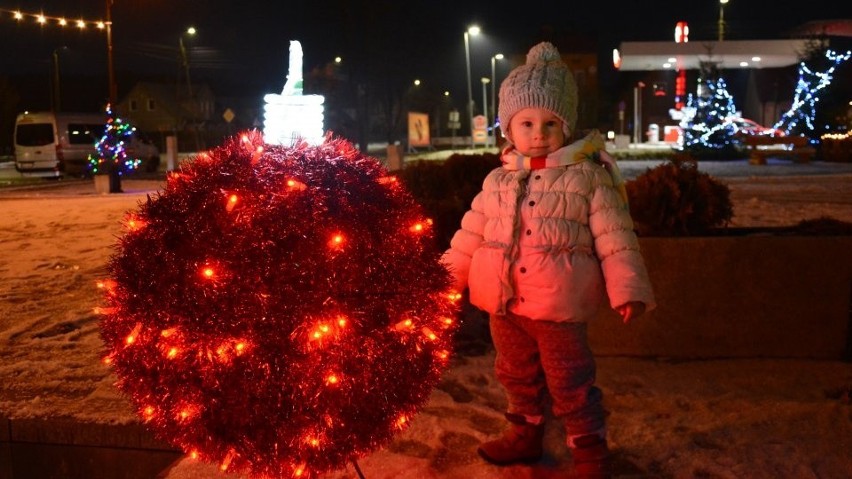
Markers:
733,297
63,448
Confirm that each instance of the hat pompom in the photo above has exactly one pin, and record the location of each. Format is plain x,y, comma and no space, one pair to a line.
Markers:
543,52
545,81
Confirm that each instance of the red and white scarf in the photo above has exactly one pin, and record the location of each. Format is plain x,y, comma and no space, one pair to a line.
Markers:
585,149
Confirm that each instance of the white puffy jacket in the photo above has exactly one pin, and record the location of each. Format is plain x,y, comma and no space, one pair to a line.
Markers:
547,244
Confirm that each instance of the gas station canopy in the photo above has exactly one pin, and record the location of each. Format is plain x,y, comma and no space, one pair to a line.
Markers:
639,56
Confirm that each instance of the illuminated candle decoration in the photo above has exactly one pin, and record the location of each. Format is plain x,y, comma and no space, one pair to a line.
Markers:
282,312
292,117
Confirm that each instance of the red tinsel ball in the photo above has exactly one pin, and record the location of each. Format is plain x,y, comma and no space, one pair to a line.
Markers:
278,310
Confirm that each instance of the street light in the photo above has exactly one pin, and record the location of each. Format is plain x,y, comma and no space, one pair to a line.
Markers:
485,81
472,30
192,106
496,57
722,19
185,60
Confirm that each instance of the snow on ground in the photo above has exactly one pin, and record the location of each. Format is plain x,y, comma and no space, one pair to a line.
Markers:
751,418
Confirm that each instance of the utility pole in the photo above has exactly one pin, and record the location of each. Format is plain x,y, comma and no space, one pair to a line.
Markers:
113,90
57,90
114,175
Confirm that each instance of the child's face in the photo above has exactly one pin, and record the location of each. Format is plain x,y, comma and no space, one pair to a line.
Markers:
536,132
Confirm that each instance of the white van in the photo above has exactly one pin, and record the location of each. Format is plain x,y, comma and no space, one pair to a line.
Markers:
52,144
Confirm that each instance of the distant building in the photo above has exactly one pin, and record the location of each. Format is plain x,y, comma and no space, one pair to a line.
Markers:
160,110
756,72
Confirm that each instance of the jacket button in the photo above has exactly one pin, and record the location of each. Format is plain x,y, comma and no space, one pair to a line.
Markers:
529,232
523,270
522,299
538,177
532,203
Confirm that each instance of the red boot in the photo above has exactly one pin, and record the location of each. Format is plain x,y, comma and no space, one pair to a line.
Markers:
522,442
591,458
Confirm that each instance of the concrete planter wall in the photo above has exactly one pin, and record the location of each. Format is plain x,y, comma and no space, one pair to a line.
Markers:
64,448
747,296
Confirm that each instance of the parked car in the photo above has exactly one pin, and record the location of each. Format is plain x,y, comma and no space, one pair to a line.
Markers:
141,147
55,144
751,127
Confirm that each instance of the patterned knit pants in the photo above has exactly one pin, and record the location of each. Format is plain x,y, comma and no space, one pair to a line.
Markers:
537,357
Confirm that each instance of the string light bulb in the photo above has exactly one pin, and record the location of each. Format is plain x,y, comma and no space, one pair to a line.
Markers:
45,20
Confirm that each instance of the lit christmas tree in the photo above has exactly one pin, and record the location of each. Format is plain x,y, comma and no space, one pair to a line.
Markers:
278,310
707,127
112,152
799,119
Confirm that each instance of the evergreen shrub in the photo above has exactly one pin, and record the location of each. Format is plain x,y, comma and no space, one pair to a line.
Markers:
675,199
445,188
823,226
671,199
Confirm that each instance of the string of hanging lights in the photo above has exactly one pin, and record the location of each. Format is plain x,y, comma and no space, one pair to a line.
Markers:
48,20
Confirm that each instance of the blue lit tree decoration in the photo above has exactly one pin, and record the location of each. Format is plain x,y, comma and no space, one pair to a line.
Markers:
709,129
799,119
112,157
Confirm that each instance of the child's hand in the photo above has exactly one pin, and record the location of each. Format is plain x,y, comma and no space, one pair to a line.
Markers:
631,310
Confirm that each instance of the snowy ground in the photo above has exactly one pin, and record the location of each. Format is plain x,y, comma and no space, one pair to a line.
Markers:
754,418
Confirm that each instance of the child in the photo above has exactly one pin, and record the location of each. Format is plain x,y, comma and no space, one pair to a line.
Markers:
547,236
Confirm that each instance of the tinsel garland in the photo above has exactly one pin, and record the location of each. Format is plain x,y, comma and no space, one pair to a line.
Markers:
278,310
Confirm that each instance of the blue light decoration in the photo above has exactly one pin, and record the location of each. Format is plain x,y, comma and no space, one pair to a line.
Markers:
707,117
112,149
705,122
800,117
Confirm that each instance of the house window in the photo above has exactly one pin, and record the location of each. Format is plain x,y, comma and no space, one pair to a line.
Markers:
151,105
133,105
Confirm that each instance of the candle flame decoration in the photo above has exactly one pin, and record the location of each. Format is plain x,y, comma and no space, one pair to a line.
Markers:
292,117
278,310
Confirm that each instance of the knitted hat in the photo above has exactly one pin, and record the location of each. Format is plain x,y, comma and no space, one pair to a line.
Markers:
543,82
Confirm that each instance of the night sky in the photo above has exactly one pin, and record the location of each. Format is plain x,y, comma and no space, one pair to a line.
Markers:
241,47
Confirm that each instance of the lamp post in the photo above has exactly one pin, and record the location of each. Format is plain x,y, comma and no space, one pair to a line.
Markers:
722,19
191,108
472,30
494,59
637,112
184,59
485,81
